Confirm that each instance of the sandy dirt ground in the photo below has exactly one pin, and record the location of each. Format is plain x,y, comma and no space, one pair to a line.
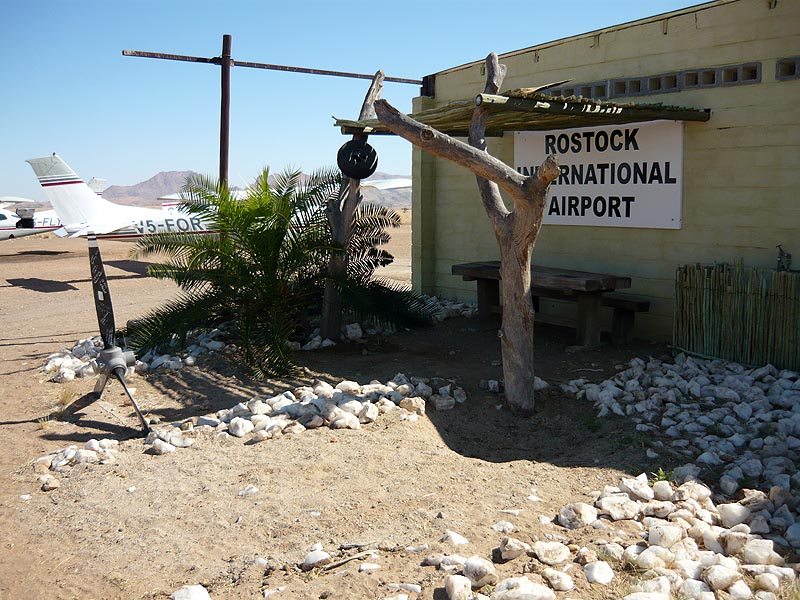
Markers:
147,525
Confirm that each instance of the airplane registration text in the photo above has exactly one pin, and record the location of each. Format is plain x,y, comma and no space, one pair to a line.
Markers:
179,224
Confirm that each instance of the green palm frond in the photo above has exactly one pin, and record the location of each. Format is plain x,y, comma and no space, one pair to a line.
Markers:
175,317
386,302
265,267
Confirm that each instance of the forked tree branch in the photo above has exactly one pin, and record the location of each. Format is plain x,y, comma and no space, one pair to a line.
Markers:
449,148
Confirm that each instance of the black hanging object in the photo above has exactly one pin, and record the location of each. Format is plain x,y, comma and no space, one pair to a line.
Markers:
357,159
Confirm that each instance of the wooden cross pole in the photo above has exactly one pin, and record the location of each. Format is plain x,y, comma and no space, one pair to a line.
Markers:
226,62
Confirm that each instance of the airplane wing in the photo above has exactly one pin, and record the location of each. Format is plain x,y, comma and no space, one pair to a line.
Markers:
101,228
8,200
387,184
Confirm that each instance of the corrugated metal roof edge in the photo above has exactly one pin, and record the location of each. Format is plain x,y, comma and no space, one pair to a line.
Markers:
621,26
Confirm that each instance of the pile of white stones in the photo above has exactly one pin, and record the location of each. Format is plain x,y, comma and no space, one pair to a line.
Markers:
348,405
688,547
354,332
725,418
81,360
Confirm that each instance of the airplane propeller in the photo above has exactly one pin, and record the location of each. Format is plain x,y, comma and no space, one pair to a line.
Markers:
114,361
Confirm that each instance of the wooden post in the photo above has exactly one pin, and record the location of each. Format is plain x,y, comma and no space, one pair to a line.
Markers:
516,231
340,212
225,109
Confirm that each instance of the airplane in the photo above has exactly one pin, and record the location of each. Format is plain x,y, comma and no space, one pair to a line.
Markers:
24,221
83,211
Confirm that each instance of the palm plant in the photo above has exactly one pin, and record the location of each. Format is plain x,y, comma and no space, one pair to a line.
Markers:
264,268
259,271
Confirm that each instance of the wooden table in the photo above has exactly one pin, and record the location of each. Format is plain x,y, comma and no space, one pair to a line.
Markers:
584,287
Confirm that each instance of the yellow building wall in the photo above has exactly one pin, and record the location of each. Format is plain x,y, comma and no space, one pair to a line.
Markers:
741,188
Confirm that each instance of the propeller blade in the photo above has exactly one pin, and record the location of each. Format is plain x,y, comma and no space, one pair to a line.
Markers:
102,297
142,420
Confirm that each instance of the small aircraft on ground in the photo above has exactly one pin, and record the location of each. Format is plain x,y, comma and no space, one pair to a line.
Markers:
81,210
24,221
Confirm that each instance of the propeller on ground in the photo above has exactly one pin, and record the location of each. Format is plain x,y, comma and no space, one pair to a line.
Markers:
113,360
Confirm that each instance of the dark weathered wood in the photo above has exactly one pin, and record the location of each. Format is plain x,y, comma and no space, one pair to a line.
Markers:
588,329
588,289
341,212
225,109
256,65
516,231
488,299
546,277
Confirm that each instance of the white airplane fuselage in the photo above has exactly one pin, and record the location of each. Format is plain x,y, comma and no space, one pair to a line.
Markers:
82,211
42,223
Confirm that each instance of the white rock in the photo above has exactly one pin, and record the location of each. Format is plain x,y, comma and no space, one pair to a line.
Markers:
655,557
346,420
767,582
454,538
792,535
369,413
442,402
637,488
191,592
368,567
240,427
732,514
208,421
511,548
598,572
85,456
551,553
720,578
314,559
458,587
692,588
411,587
558,580
161,447
646,596
480,571
740,591
414,405
504,527
248,490
619,507
577,515
760,552
353,331
48,482
664,535
521,588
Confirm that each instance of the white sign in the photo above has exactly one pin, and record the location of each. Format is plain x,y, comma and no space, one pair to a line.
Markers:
613,176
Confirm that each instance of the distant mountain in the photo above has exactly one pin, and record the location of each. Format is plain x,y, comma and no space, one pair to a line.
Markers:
165,183
148,192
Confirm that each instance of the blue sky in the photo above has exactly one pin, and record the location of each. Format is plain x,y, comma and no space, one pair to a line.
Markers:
68,89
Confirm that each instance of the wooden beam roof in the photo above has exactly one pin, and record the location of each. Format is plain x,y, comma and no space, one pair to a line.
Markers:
528,109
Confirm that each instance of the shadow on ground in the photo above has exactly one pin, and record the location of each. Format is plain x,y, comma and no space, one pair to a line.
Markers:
563,431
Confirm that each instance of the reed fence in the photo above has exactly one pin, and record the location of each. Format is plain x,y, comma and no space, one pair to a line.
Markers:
747,315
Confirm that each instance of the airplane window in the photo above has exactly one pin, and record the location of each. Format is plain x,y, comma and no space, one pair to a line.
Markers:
3,217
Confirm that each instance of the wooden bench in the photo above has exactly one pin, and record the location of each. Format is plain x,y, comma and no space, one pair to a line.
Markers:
625,307
585,288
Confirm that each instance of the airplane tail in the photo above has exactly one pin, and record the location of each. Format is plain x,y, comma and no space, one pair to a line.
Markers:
73,200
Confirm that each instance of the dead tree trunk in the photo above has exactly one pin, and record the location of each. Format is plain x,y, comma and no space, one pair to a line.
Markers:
516,231
341,211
